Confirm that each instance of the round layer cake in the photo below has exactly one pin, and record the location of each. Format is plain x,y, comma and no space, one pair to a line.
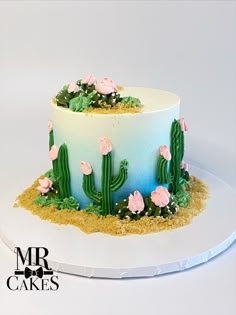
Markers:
135,137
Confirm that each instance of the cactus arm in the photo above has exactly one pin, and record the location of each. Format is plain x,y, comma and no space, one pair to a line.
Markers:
64,172
121,177
89,188
106,181
55,162
162,173
51,139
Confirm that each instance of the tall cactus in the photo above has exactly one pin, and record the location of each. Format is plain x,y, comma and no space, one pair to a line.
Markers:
60,164
63,172
109,184
177,152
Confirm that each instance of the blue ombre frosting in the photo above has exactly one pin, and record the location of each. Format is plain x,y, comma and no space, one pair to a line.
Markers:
136,137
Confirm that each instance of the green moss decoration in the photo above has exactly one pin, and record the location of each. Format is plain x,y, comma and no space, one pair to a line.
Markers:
182,198
67,203
81,103
131,101
93,208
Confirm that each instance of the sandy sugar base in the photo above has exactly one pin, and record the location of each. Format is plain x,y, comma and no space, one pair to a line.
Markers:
90,223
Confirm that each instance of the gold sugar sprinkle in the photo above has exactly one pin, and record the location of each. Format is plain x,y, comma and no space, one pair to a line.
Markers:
91,223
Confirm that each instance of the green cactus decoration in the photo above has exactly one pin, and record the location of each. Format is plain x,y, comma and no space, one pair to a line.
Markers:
109,184
80,96
51,144
89,188
151,210
177,152
63,172
51,139
162,171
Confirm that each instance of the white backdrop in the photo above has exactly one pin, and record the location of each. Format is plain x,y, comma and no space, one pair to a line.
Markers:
187,47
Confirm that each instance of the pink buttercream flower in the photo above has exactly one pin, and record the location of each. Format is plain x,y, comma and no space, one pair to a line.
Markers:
160,196
165,152
136,203
184,165
45,185
110,82
89,79
105,145
85,168
50,125
73,87
183,124
107,86
53,153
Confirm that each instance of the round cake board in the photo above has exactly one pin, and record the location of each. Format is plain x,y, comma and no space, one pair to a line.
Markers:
106,256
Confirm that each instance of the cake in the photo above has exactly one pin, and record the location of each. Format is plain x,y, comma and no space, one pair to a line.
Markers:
116,153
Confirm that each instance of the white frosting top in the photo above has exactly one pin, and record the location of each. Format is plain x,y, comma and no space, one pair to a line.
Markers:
152,99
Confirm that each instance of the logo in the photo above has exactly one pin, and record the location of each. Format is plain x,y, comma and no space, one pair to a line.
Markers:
32,271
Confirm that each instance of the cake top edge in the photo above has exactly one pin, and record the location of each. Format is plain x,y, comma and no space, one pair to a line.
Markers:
87,95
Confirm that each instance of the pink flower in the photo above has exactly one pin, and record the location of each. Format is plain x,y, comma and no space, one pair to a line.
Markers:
89,79
136,203
53,153
73,87
160,196
45,185
105,146
183,124
50,125
107,86
184,165
110,82
85,168
165,152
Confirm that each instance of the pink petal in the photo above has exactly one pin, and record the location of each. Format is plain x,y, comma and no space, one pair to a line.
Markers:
105,146
43,190
85,168
104,89
50,125
183,124
165,152
160,196
184,165
53,153
73,87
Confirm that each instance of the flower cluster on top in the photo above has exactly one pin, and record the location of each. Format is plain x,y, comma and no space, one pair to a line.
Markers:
88,93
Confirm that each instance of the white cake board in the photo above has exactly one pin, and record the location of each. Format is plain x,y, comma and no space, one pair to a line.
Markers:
105,256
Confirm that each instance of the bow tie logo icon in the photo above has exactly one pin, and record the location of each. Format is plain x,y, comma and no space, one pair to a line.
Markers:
29,273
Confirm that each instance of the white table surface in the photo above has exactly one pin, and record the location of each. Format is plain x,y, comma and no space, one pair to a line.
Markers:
206,289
